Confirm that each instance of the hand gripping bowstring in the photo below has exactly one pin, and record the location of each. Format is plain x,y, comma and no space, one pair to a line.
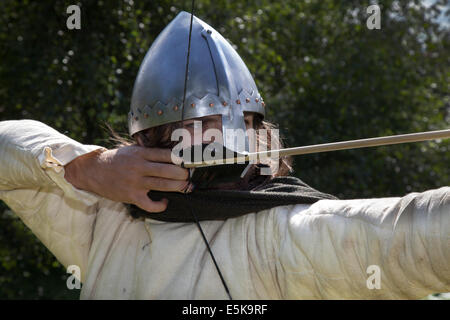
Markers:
189,179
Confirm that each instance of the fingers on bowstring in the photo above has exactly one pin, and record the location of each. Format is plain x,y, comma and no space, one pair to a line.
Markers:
161,155
165,170
161,184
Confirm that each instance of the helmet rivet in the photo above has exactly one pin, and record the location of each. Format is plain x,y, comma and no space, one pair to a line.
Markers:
211,104
247,100
256,99
209,31
145,115
224,104
175,108
136,118
192,105
160,112
238,101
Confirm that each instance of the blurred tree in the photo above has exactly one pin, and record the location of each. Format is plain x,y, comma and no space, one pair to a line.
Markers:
324,76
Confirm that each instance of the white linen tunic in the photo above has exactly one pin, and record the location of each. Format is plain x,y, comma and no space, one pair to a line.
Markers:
326,250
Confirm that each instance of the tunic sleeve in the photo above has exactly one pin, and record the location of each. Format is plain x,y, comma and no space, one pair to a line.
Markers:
386,248
32,184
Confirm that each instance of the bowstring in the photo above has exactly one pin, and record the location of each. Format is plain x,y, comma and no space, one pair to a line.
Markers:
189,176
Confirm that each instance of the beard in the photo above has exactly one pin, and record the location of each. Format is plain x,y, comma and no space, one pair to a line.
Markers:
228,177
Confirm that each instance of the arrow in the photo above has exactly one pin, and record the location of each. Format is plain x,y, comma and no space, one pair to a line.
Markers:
325,147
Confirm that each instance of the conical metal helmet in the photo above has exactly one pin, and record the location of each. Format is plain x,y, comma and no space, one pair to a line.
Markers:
219,83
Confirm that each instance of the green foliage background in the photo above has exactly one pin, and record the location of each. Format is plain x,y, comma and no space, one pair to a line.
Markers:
323,74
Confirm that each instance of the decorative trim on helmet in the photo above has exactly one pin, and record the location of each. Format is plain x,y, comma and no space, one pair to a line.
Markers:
149,116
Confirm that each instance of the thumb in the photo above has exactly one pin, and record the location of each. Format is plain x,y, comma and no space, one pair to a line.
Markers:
145,203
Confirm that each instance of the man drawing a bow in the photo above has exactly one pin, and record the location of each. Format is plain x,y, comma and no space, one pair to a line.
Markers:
139,227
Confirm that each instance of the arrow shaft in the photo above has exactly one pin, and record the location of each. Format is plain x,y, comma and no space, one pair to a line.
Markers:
334,146
361,143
